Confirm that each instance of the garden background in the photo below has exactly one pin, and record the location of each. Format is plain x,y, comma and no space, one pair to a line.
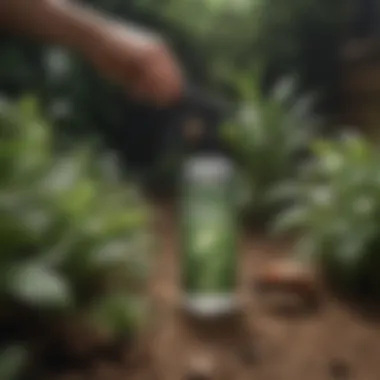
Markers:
88,182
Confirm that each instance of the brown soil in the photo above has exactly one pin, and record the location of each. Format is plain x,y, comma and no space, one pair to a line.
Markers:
282,337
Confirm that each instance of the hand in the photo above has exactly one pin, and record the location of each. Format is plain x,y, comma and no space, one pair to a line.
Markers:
139,61
135,59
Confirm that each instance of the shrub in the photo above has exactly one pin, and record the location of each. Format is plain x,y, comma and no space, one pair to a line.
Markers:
337,209
73,238
268,138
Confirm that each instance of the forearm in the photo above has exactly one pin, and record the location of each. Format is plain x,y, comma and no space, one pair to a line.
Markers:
125,54
54,21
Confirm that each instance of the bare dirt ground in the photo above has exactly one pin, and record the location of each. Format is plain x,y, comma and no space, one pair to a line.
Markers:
331,342
327,343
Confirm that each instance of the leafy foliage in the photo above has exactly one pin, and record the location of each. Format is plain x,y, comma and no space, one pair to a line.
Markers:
71,234
11,361
337,207
270,132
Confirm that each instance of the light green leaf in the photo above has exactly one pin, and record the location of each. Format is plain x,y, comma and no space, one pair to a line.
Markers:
38,286
111,252
284,90
293,218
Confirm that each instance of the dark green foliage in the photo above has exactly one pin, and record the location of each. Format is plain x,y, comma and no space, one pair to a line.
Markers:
337,208
269,138
71,234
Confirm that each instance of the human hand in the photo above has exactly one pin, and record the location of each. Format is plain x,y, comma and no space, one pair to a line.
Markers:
137,60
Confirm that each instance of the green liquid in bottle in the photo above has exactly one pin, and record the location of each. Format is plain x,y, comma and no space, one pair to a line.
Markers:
209,232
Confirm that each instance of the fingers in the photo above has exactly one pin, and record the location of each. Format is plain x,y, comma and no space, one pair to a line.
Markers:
129,56
159,77
141,62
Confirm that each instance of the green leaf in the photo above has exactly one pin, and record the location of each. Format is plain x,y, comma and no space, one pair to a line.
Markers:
36,221
38,286
121,313
12,361
111,252
54,256
285,191
65,173
267,136
293,218
28,107
284,89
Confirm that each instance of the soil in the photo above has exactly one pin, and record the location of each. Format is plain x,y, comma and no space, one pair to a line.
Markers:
279,337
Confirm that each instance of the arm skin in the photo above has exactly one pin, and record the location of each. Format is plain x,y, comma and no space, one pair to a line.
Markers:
130,57
55,21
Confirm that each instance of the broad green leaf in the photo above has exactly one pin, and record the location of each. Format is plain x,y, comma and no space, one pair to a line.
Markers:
38,286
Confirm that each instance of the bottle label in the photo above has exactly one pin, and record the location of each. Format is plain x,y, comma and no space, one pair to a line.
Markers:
209,226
